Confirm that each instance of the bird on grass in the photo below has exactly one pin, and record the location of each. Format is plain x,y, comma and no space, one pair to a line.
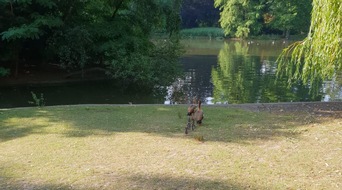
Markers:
198,115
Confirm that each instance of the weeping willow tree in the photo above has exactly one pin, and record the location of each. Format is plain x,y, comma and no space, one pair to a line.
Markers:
319,56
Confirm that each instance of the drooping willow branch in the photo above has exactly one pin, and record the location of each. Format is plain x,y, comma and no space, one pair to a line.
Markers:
319,56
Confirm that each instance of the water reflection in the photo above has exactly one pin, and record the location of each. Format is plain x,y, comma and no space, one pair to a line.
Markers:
333,89
87,92
241,72
242,78
215,71
197,80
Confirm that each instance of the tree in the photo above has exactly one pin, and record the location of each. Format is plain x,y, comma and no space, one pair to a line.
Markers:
24,22
319,56
128,51
242,18
114,35
290,15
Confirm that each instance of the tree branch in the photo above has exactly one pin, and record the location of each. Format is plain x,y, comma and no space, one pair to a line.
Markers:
12,11
117,7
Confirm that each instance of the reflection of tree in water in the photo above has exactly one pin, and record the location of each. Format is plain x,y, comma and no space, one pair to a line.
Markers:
333,89
197,80
243,72
240,78
176,92
198,77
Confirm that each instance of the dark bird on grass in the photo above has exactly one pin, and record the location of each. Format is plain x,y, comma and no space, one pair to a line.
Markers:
198,115
191,109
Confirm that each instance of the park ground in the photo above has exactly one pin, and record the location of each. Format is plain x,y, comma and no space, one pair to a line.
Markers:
250,146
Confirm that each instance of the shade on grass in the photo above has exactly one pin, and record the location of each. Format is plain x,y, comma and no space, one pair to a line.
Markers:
144,147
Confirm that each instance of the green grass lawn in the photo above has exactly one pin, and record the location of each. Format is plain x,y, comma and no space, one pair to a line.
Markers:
207,32
144,147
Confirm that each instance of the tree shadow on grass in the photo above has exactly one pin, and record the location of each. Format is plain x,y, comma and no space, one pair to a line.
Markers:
225,125
162,182
16,123
129,182
222,124
25,185
240,126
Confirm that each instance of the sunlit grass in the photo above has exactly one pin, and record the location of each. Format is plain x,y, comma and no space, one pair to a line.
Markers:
144,147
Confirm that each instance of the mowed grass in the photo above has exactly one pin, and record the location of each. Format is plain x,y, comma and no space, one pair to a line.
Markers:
144,147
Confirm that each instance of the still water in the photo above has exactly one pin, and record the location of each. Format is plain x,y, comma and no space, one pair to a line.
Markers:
234,72
217,72
90,92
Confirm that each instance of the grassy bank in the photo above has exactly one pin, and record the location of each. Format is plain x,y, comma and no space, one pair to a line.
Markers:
218,34
144,147
205,32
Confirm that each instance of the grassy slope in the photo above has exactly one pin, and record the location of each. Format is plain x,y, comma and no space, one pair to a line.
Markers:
144,147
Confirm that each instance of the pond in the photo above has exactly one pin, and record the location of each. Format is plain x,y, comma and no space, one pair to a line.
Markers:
217,72
238,71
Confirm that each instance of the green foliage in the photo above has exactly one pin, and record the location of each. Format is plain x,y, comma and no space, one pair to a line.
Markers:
290,15
26,24
155,66
165,61
4,72
37,101
114,35
30,23
22,32
319,56
242,18
130,55
31,31
73,47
